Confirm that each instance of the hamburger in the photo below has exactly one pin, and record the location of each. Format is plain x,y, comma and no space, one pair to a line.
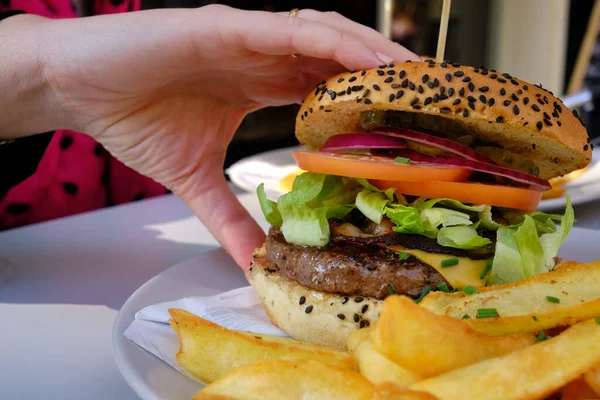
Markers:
421,176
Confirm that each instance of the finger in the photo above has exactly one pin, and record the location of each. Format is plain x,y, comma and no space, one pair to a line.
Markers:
228,221
386,50
254,31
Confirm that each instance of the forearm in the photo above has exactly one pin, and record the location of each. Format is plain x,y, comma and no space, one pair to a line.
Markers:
27,103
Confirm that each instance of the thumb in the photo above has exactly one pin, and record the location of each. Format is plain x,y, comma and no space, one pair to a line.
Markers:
227,220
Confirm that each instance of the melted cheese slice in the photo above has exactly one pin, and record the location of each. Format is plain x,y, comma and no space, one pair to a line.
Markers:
466,273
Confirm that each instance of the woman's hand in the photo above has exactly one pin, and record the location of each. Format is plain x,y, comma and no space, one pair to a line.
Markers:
164,91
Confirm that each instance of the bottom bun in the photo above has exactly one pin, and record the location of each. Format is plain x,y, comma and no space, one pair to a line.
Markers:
307,314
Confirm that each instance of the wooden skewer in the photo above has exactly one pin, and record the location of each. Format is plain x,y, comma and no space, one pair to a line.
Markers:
585,51
441,47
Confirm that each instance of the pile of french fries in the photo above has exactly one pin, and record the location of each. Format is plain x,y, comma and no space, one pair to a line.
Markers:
534,339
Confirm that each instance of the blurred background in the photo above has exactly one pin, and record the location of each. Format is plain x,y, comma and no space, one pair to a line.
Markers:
536,40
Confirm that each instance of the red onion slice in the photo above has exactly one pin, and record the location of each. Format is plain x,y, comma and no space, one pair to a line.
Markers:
434,141
518,176
362,141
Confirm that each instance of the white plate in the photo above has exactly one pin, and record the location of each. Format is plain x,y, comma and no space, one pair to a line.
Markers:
272,166
211,273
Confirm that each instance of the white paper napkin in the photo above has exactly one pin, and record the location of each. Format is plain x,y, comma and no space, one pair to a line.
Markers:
239,309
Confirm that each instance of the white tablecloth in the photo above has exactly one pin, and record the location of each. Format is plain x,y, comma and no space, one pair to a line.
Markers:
71,277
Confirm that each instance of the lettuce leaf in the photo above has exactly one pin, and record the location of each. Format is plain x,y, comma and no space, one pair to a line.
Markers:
461,237
372,204
506,266
268,207
551,242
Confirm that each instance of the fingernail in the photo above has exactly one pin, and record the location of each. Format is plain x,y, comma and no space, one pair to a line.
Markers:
384,58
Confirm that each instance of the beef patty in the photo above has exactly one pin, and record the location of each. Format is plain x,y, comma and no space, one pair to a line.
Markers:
353,269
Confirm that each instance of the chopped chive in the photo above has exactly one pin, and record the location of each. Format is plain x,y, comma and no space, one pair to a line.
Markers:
486,270
391,289
403,256
443,287
534,318
466,316
552,299
449,262
470,290
402,160
487,313
423,294
597,320
542,336
488,246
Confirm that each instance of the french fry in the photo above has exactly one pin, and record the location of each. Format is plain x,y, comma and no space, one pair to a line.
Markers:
527,374
578,390
209,351
429,344
390,391
374,366
592,378
523,306
277,379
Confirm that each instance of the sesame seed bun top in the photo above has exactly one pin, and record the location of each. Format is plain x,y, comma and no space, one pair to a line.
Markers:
497,108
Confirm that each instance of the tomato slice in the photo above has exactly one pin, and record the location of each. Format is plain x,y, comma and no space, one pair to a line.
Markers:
468,192
374,167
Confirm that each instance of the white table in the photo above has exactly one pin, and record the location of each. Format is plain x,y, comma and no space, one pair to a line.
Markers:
72,275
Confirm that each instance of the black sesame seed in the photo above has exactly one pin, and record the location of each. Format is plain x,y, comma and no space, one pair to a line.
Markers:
475,69
414,101
546,115
533,146
341,316
507,76
500,119
465,113
402,74
539,125
302,117
444,64
332,94
540,101
320,98
391,72
456,102
427,101
321,107
417,107
395,85
501,80
380,72
514,97
520,91
352,71
368,101
461,91
516,110
466,79
548,122
471,99
525,100
405,83
302,300
525,87
456,65
366,92
538,94
400,93
356,318
506,102
442,89
308,309
364,308
420,89
559,123
430,85
425,78
491,102
383,66
340,80
484,72
502,92
558,106
459,73
576,114
471,105
484,89
376,87
331,110
345,300
436,98
493,76
586,147
388,79
358,299
391,65
363,72
483,99
391,98
535,108
352,79
443,97
546,99
317,90
363,323
341,93
411,86
445,110
448,77
471,86
311,110
514,82
349,90
451,91
436,82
